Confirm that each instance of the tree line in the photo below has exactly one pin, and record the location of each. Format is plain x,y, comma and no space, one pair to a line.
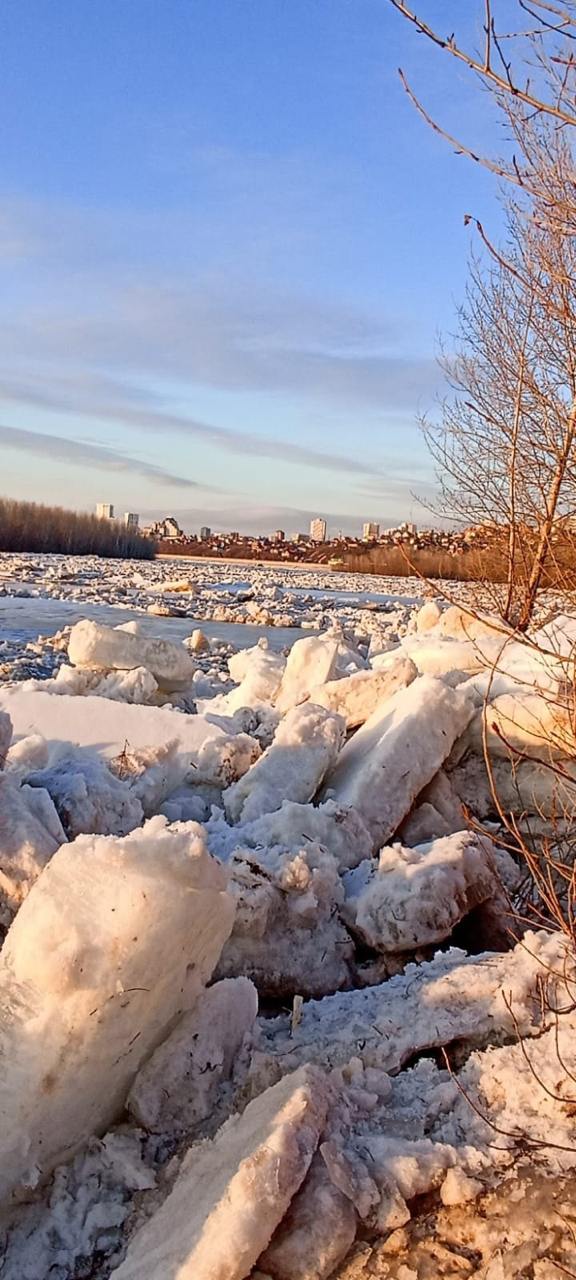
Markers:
31,526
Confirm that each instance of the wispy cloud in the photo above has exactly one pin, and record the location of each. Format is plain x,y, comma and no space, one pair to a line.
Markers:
262,517
226,339
126,405
89,304
91,334
44,445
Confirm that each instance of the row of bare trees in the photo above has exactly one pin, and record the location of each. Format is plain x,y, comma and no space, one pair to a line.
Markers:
29,526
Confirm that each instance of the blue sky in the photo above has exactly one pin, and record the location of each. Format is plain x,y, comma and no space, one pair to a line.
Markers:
228,246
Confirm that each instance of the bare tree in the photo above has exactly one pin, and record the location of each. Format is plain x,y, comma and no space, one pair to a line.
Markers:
532,65
505,442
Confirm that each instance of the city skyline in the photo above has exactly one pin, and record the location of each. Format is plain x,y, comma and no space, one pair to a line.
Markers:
318,530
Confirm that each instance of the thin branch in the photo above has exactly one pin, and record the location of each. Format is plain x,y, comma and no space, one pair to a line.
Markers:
504,84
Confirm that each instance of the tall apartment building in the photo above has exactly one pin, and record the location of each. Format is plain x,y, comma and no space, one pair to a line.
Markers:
278,536
318,529
370,531
131,519
205,533
105,510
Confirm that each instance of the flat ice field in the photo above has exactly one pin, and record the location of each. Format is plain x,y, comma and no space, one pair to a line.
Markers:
252,891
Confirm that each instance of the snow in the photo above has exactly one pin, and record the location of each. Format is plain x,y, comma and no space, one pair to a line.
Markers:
87,796
115,938
231,1193
97,647
410,898
30,833
397,752
429,1004
304,748
339,830
287,933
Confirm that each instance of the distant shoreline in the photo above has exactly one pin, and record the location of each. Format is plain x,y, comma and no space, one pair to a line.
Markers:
310,565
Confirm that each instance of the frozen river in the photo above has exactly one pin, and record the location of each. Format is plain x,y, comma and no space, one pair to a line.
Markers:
27,619
46,593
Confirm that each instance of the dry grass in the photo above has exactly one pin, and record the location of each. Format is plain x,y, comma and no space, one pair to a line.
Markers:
486,564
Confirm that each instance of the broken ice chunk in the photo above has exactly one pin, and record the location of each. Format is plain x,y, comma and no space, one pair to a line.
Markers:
116,938
94,645
410,898
356,697
30,833
5,736
305,746
184,1080
87,796
231,1193
29,753
311,661
339,829
427,1005
384,766
316,1233
259,671
287,933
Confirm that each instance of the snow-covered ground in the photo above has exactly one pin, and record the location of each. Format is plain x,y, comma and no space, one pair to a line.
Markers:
246,909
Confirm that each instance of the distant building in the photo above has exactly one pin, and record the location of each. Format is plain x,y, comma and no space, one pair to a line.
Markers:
278,535
205,533
318,529
172,528
131,519
167,528
370,531
235,536
105,510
